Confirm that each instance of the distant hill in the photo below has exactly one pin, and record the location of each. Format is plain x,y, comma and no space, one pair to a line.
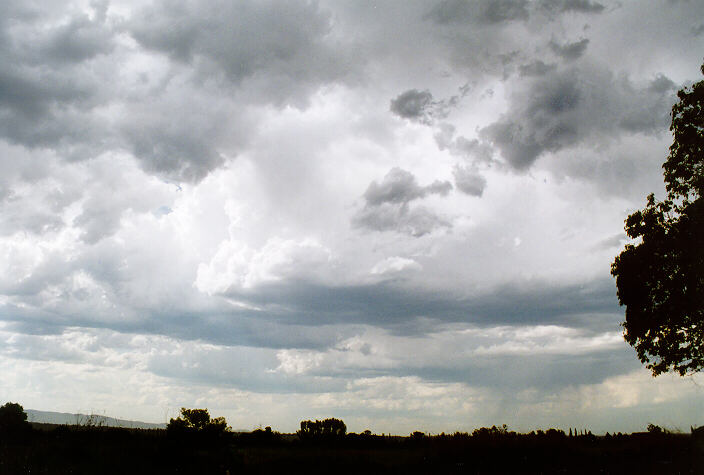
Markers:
49,417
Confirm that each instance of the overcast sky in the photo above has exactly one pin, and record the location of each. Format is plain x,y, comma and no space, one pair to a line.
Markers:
401,213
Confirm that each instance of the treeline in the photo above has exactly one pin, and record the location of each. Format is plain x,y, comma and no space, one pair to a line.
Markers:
195,442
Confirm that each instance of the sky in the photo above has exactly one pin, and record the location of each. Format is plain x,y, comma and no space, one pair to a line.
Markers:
397,213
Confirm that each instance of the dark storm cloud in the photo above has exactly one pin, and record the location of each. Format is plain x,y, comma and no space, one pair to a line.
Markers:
296,314
579,105
391,306
570,51
387,205
222,326
483,12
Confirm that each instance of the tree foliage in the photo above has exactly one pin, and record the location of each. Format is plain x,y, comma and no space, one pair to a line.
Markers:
12,418
322,430
196,420
660,278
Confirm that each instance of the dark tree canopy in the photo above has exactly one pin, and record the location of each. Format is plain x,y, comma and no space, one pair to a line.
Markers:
12,418
196,420
660,279
13,423
321,430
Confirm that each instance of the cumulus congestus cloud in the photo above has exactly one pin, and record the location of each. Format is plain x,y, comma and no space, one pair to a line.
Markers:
256,204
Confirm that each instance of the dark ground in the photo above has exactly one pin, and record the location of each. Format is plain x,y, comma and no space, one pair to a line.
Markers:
49,449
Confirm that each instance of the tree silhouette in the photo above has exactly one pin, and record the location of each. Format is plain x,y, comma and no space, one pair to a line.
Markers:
12,415
13,421
326,429
196,421
660,280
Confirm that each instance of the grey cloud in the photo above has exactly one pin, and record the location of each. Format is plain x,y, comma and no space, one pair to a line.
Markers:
283,45
570,51
31,93
392,306
562,6
54,84
469,181
245,368
662,84
75,41
47,91
542,372
611,242
30,199
473,149
419,106
40,69
174,148
438,187
400,186
546,111
536,68
417,221
387,205
517,372
489,12
295,313
653,112
98,220
565,108
255,368
413,104
36,221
